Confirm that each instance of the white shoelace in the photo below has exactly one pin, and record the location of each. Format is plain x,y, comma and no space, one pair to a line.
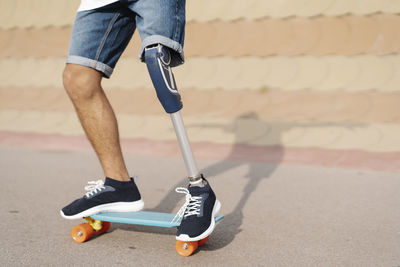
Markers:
191,207
93,187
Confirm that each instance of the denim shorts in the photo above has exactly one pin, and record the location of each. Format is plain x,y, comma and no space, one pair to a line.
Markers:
99,36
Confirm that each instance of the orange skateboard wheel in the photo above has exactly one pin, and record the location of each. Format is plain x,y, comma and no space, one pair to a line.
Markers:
202,241
104,228
82,232
185,248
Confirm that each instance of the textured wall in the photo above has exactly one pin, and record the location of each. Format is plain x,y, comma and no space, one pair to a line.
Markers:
297,73
290,45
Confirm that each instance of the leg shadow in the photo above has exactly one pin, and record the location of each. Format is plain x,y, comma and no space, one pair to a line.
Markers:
230,226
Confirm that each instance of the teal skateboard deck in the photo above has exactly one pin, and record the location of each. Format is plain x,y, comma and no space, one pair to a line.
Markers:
147,218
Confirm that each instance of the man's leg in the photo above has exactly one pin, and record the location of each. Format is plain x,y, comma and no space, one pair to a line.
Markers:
98,38
119,192
97,117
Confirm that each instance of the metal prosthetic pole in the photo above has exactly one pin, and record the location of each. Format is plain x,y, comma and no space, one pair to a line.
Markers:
184,144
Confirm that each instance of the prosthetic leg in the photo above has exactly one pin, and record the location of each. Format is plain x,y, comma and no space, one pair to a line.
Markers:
158,59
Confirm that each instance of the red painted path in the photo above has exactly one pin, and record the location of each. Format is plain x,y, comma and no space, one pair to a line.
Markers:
349,159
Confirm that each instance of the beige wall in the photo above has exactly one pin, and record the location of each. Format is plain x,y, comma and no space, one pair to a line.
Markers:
328,62
290,45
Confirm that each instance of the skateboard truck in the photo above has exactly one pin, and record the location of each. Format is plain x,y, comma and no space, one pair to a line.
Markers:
101,222
84,231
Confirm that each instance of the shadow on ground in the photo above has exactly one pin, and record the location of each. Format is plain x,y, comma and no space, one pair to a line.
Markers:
230,226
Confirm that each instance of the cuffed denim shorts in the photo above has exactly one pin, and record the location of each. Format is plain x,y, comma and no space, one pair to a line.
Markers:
99,36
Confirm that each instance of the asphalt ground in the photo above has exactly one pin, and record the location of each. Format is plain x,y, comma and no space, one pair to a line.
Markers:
275,214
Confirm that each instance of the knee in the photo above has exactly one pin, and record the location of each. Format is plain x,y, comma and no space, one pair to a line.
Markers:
81,83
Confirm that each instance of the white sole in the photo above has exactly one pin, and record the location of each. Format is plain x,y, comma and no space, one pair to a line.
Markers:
111,207
210,229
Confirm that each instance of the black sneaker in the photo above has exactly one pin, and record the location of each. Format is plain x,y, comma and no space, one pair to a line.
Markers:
112,195
197,213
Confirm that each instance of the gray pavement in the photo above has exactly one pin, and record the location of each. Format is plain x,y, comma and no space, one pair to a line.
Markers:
276,215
